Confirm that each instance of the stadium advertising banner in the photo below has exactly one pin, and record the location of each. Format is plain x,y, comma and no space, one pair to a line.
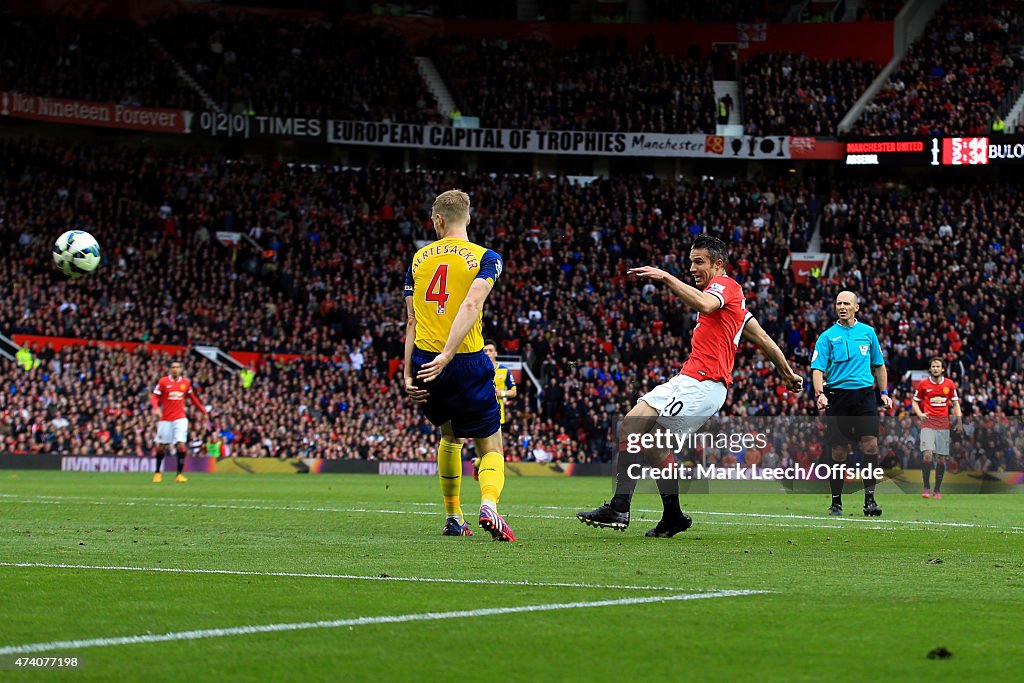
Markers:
557,141
940,151
807,264
123,116
371,134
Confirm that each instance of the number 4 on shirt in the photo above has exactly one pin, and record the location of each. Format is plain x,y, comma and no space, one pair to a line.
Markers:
437,290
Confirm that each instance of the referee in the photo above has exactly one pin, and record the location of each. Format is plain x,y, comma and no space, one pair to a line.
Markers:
846,368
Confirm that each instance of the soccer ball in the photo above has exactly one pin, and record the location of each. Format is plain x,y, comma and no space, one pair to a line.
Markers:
76,253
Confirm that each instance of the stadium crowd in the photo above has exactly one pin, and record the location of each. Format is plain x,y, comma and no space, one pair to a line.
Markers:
314,69
791,94
959,76
725,12
593,86
333,246
956,78
70,58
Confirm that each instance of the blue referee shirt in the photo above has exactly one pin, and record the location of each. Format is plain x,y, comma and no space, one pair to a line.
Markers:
846,356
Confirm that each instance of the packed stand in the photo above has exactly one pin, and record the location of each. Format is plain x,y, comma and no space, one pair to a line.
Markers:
451,9
90,400
790,94
320,229
595,86
724,12
314,68
322,284
880,10
940,265
94,400
956,79
68,58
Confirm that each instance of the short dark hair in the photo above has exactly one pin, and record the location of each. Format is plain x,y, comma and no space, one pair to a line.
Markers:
490,342
941,360
715,247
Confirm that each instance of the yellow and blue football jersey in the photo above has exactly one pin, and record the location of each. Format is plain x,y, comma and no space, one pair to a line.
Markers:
439,280
503,381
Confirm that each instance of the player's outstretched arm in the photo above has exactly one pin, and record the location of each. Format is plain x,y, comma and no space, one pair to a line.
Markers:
753,332
468,314
702,302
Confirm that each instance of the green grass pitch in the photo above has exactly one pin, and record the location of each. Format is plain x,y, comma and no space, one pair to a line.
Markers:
844,599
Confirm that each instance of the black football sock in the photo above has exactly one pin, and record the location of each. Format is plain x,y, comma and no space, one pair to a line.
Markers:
624,484
670,501
159,459
836,484
869,489
870,460
940,471
181,459
669,490
621,501
668,487
926,474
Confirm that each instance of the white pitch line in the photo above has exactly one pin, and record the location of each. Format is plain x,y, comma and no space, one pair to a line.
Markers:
381,511
149,502
817,518
350,577
59,645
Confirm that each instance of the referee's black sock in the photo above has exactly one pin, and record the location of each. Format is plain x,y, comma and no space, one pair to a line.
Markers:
870,460
869,489
836,484
926,474
940,471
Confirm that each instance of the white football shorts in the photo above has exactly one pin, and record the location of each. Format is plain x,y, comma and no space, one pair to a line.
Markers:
935,440
172,431
685,403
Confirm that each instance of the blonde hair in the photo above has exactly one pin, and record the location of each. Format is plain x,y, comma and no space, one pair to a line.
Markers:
453,205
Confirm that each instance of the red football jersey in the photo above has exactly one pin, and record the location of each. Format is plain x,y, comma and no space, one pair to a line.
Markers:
717,334
934,399
171,394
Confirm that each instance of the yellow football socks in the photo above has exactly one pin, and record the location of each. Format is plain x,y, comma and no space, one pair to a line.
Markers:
449,470
492,478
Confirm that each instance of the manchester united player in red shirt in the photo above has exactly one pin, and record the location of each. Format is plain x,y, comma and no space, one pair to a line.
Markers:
688,400
934,398
168,401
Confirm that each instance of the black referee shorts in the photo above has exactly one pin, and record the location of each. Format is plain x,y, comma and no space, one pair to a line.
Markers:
851,415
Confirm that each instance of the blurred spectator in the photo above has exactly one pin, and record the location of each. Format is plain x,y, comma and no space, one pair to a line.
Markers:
790,94
938,262
957,78
593,86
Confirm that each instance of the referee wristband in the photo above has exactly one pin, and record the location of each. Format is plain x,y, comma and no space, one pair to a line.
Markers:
883,392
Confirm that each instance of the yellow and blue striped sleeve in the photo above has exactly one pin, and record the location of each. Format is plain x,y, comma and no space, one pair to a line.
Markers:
408,283
491,266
